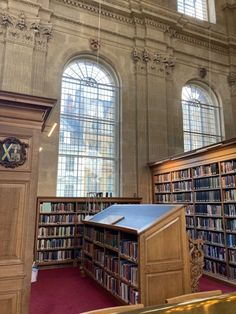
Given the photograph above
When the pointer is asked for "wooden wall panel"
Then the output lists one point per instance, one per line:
(21, 118)
(8, 303)
(170, 282)
(167, 249)
(12, 197)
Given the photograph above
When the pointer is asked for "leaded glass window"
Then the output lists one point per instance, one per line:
(88, 146)
(201, 117)
(194, 8)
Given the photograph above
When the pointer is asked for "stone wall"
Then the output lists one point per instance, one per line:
(154, 51)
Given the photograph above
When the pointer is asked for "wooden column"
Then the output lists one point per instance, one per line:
(22, 118)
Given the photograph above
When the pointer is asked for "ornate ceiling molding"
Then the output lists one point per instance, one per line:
(156, 62)
(166, 20)
(21, 30)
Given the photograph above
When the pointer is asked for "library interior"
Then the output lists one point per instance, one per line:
(117, 156)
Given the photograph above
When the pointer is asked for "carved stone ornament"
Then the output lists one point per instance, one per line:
(21, 30)
(155, 61)
(12, 152)
(95, 44)
(232, 79)
(196, 262)
(202, 71)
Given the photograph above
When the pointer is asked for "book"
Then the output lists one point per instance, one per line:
(46, 207)
(111, 219)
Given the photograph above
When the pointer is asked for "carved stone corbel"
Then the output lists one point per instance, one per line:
(232, 78)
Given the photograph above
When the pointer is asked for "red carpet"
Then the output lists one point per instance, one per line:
(64, 291)
(207, 283)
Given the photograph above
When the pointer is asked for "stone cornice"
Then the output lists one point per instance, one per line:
(173, 23)
(29, 3)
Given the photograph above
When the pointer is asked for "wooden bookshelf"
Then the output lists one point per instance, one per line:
(59, 227)
(131, 258)
(205, 181)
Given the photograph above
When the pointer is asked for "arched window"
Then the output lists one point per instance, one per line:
(199, 9)
(88, 146)
(201, 116)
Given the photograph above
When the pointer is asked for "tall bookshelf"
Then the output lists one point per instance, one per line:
(126, 252)
(59, 226)
(205, 181)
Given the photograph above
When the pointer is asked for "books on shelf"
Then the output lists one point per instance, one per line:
(121, 256)
(206, 183)
(59, 226)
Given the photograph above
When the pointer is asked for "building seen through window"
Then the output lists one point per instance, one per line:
(201, 116)
(88, 154)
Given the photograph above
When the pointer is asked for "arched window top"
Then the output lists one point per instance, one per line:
(199, 94)
(201, 116)
(89, 71)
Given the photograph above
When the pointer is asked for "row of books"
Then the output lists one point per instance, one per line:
(129, 272)
(111, 263)
(182, 186)
(128, 294)
(99, 256)
(111, 239)
(181, 174)
(214, 252)
(211, 223)
(189, 209)
(111, 284)
(232, 256)
(208, 209)
(119, 288)
(58, 243)
(205, 170)
(230, 209)
(215, 267)
(228, 166)
(229, 181)
(208, 196)
(214, 237)
(232, 272)
(162, 177)
(191, 233)
(231, 240)
(206, 183)
(59, 231)
(164, 187)
(48, 207)
(98, 235)
(230, 224)
(48, 256)
(182, 197)
(189, 221)
(229, 195)
(88, 232)
(88, 247)
(129, 248)
(163, 198)
(68, 218)
(200, 171)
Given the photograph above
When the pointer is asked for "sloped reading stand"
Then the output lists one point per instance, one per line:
(139, 253)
